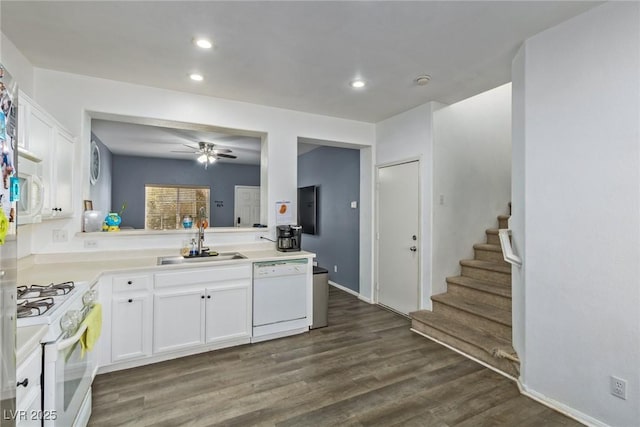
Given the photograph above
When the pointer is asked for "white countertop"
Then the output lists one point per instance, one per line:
(27, 340)
(89, 266)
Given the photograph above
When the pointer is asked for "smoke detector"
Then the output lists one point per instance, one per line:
(423, 80)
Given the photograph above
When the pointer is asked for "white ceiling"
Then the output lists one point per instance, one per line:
(295, 55)
(134, 139)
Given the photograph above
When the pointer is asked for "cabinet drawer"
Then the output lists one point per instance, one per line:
(132, 283)
(196, 276)
(29, 372)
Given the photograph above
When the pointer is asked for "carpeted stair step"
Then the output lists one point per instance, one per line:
(503, 221)
(487, 271)
(481, 291)
(468, 338)
(487, 252)
(492, 236)
(488, 317)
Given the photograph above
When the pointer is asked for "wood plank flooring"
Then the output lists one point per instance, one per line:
(365, 369)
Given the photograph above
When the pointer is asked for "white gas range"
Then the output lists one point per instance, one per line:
(67, 371)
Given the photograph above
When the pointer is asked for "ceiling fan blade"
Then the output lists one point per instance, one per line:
(189, 152)
(226, 156)
(191, 146)
(221, 150)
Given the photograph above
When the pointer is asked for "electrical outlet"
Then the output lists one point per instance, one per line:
(619, 387)
(90, 244)
(335, 268)
(60, 236)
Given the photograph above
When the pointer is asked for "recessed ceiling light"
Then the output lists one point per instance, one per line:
(357, 84)
(203, 43)
(196, 77)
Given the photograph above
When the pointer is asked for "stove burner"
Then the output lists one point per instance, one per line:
(49, 290)
(29, 308)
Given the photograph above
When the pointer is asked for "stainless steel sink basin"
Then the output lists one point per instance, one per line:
(222, 256)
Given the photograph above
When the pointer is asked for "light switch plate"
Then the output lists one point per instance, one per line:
(354, 205)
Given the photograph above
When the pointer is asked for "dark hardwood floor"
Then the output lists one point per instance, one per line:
(366, 368)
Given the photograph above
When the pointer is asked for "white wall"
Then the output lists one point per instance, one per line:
(408, 136)
(518, 207)
(472, 171)
(16, 63)
(366, 223)
(69, 97)
(579, 127)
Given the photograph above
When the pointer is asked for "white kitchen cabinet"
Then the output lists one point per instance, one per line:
(178, 319)
(28, 391)
(41, 134)
(131, 326)
(227, 313)
(35, 127)
(131, 320)
(200, 306)
(61, 196)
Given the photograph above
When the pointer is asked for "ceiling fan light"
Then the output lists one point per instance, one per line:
(212, 159)
(202, 158)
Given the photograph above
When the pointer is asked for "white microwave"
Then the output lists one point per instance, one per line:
(29, 206)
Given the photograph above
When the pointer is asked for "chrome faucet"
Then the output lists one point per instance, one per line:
(200, 237)
(201, 217)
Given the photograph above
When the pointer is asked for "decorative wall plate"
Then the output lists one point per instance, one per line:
(94, 166)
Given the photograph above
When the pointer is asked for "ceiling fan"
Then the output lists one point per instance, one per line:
(208, 152)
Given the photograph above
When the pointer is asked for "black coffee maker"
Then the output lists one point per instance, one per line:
(288, 238)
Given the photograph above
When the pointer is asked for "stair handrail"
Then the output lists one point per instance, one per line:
(507, 250)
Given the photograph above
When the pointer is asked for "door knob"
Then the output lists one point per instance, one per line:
(413, 249)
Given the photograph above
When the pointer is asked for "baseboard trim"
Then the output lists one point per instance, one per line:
(344, 288)
(538, 397)
(468, 356)
(365, 299)
(560, 407)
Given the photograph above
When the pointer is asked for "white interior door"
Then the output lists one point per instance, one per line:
(246, 210)
(398, 233)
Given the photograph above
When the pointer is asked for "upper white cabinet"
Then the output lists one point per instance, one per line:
(61, 196)
(41, 134)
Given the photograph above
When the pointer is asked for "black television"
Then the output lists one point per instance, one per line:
(308, 209)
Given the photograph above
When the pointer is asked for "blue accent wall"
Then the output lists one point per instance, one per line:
(336, 171)
(131, 174)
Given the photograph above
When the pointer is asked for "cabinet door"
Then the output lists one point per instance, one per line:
(228, 311)
(63, 174)
(23, 122)
(30, 417)
(131, 327)
(178, 320)
(40, 141)
(28, 394)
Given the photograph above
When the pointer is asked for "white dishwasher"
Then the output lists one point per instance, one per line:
(279, 298)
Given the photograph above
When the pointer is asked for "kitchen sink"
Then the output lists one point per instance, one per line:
(222, 256)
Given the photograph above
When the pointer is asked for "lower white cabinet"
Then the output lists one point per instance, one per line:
(197, 307)
(28, 392)
(158, 315)
(228, 315)
(131, 308)
(131, 325)
(178, 319)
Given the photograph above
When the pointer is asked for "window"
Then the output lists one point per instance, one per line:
(166, 205)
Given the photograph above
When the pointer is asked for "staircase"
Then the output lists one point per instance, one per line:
(474, 315)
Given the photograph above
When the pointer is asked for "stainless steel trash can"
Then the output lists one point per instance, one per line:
(320, 297)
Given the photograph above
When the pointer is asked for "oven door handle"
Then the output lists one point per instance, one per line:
(71, 340)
